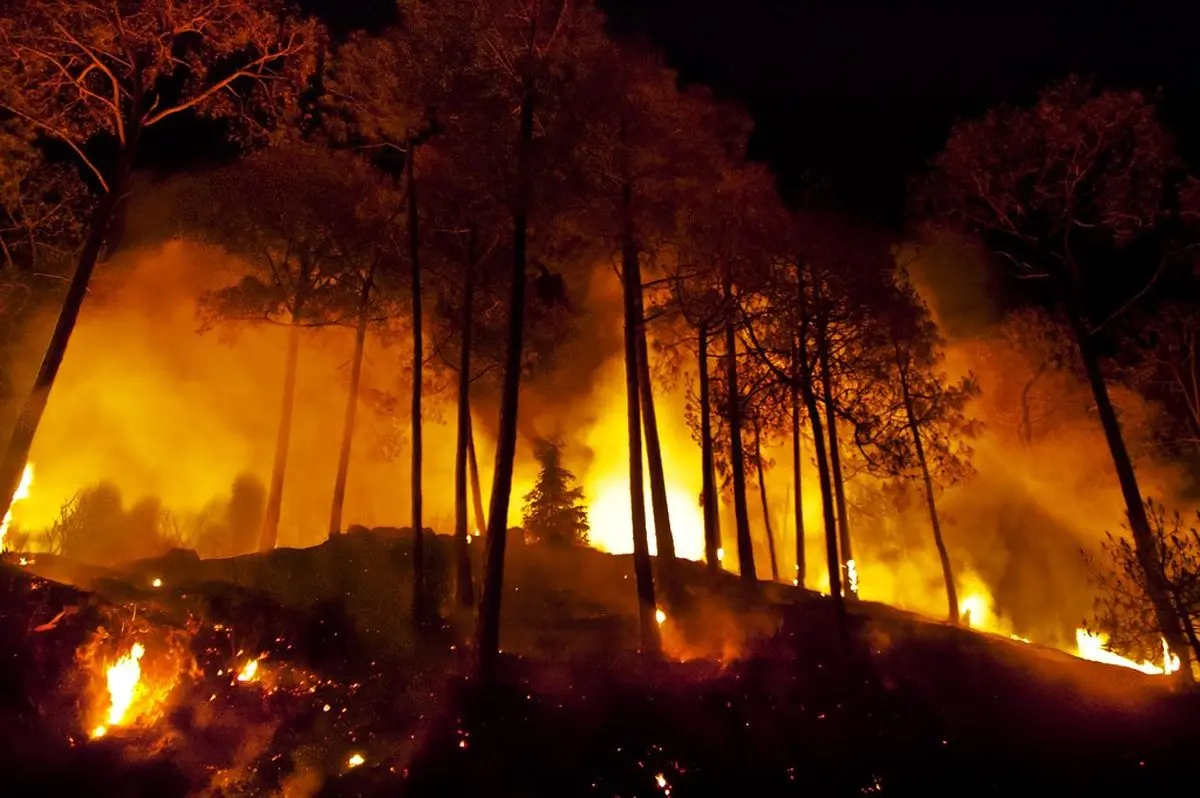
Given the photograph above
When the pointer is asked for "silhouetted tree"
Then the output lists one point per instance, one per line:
(554, 509)
(304, 220)
(78, 71)
(1054, 187)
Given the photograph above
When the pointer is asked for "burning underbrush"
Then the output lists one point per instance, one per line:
(287, 674)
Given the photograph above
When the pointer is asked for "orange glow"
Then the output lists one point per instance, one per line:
(248, 672)
(1094, 647)
(123, 677)
(21, 494)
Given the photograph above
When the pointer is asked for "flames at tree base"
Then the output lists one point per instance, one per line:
(275, 687)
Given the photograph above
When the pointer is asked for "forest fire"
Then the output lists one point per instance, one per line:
(21, 494)
(504, 270)
(122, 679)
(1094, 647)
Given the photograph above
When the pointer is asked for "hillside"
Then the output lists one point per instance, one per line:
(758, 694)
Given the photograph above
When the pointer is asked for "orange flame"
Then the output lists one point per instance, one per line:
(20, 494)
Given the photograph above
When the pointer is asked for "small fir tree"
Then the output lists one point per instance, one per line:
(554, 509)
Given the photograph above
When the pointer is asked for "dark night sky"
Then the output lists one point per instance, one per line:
(860, 94)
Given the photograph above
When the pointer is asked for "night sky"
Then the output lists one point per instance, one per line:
(859, 94)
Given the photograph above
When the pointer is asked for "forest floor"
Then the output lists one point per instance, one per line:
(756, 694)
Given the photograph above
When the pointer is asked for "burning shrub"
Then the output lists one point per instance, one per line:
(94, 527)
(1123, 607)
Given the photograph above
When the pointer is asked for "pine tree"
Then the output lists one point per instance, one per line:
(554, 509)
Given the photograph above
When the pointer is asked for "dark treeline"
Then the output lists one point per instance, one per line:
(447, 175)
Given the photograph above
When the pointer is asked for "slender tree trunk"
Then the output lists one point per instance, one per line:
(663, 539)
(1139, 525)
(712, 521)
(737, 457)
(16, 454)
(935, 524)
(831, 541)
(762, 492)
(343, 468)
(647, 606)
(465, 589)
(476, 488)
(798, 498)
(835, 458)
(283, 438)
(419, 608)
(487, 631)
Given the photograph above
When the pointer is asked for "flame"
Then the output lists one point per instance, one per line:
(852, 576)
(609, 519)
(123, 678)
(660, 616)
(1094, 647)
(355, 760)
(248, 672)
(21, 493)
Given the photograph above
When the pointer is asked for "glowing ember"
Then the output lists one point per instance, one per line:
(21, 493)
(852, 576)
(355, 760)
(661, 781)
(1094, 647)
(248, 672)
(123, 678)
(660, 616)
(157, 582)
(720, 555)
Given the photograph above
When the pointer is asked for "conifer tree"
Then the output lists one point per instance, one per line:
(554, 509)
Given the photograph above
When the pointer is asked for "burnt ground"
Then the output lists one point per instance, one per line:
(760, 694)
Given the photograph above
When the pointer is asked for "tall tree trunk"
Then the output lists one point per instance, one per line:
(833, 562)
(283, 438)
(712, 521)
(464, 589)
(476, 488)
(487, 630)
(798, 498)
(663, 539)
(835, 457)
(343, 468)
(1139, 524)
(762, 492)
(16, 454)
(643, 576)
(935, 524)
(419, 608)
(737, 458)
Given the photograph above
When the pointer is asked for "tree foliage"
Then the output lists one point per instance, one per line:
(554, 509)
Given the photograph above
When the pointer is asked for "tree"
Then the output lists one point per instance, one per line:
(1056, 188)
(86, 71)
(554, 509)
(1124, 608)
(375, 110)
(515, 55)
(702, 313)
(307, 222)
(928, 440)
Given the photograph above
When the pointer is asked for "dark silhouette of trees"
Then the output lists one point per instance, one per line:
(554, 509)
(1124, 607)
(1054, 188)
(76, 72)
(304, 220)
(924, 434)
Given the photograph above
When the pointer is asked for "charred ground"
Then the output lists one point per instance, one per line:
(761, 694)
